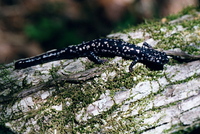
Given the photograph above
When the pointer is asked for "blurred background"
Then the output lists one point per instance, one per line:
(31, 27)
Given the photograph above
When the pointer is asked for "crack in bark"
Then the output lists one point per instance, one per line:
(182, 56)
(73, 78)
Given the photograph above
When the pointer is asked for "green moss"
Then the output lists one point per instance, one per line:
(182, 129)
(185, 80)
(187, 10)
(8, 85)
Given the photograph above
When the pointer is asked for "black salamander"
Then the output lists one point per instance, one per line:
(94, 49)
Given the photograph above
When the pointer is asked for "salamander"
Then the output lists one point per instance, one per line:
(94, 49)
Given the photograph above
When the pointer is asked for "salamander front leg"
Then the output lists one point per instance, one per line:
(133, 64)
(95, 58)
(147, 45)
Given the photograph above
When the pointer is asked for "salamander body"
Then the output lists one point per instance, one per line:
(94, 49)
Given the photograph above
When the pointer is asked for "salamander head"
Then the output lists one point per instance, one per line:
(155, 60)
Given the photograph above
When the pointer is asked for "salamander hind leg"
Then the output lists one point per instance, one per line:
(95, 58)
(133, 64)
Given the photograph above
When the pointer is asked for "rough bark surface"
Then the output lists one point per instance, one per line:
(76, 96)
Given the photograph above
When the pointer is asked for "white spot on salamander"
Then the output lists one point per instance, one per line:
(71, 50)
(99, 44)
(138, 51)
(105, 42)
(87, 46)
